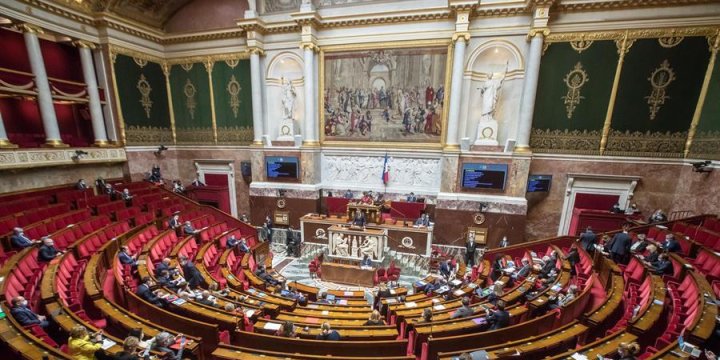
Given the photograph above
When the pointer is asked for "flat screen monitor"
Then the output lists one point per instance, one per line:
(484, 176)
(282, 167)
(539, 183)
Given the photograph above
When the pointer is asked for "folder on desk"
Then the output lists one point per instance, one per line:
(272, 326)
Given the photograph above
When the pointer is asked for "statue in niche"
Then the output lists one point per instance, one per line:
(490, 91)
(288, 98)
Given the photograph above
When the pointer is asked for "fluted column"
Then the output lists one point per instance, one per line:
(96, 113)
(310, 121)
(451, 140)
(4, 142)
(257, 103)
(44, 97)
(527, 105)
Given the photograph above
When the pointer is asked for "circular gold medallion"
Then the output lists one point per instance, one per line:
(281, 203)
(479, 218)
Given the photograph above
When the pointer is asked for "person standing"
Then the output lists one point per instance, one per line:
(470, 248)
(619, 246)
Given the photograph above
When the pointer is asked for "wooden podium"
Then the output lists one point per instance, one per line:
(372, 212)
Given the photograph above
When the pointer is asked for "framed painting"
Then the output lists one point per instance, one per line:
(385, 94)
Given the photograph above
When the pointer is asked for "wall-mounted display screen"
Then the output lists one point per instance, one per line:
(539, 183)
(281, 167)
(484, 176)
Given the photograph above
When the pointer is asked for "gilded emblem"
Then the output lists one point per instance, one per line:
(670, 41)
(233, 88)
(581, 45)
(479, 218)
(232, 63)
(407, 242)
(574, 80)
(190, 92)
(281, 204)
(144, 87)
(660, 79)
(140, 62)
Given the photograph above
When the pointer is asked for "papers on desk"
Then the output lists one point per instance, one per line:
(179, 301)
(472, 285)
(458, 292)
(312, 306)
(435, 300)
(348, 293)
(325, 312)
(249, 313)
(443, 289)
(480, 321)
(439, 307)
(341, 302)
(272, 326)
(391, 300)
(658, 302)
(578, 356)
(420, 283)
(107, 343)
(556, 288)
(392, 292)
(410, 304)
(455, 282)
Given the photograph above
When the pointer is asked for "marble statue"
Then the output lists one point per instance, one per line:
(369, 247)
(488, 125)
(341, 245)
(288, 98)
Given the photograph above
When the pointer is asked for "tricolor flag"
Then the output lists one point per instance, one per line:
(386, 171)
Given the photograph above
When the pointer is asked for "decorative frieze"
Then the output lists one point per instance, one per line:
(29, 158)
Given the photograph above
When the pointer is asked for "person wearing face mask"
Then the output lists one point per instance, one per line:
(22, 313)
(48, 251)
(19, 240)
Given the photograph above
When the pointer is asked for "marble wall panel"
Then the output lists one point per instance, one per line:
(450, 226)
(262, 206)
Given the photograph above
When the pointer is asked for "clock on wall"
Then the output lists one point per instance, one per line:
(281, 203)
(479, 218)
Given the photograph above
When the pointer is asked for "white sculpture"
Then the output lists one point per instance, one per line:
(288, 98)
(369, 247)
(341, 245)
(490, 91)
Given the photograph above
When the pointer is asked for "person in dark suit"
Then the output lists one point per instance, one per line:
(366, 261)
(657, 217)
(573, 257)
(125, 257)
(264, 276)
(497, 267)
(663, 266)
(162, 265)
(639, 245)
(524, 271)
(110, 192)
(144, 290)
(445, 270)
(423, 220)
(588, 240)
(130, 350)
(348, 194)
(327, 333)
(22, 313)
(81, 185)
(652, 254)
(463, 311)
(100, 185)
(411, 197)
(126, 196)
(20, 241)
(619, 246)
(671, 244)
(293, 242)
(359, 219)
(499, 318)
(48, 251)
(188, 229)
(192, 274)
(174, 222)
(615, 209)
(548, 265)
(470, 247)
(196, 182)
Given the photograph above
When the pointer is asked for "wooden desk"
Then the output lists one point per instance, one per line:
(355, 333)
(603, 346)
(229, 352)
(372, 212)
(347, 274)
(380, 349)
(649, 315)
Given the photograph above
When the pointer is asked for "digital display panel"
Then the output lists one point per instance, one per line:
(484, 176)
(539, 183)
(285, 167)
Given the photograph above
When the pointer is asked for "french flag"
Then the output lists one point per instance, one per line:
(386, 171)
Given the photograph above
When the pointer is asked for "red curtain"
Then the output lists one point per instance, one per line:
(15, 55)
(595, 201)
(62, 61)
(216, 179)
(22, 122)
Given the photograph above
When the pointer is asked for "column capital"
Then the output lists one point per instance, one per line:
(310, 46)
(544, 32)
(255, 50)
(83, 44)
(465, 36)
(166, 69)
(29, 28)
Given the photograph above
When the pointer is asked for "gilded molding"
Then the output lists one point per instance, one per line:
(43, 157)
(309, 45)
(460, 35)
(705, 145)
(195, 135)
(649, 144)
(622, 4)
(545, 32)
(482, 11)
(114, 49)
(388, 19)
(29, 28)
(235, 135)
(632, 34)
(83, 44)
(623, 46)
(583, 142)
(148, 135)
(714, 47)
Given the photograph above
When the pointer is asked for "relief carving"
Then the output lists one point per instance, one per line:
(358, 170)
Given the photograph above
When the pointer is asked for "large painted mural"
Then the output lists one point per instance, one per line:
(384, 95)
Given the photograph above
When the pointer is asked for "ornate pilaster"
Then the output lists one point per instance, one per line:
(623, 46)
(45, 101)
(536, 36)
(460, 38)
(703, 93)
(308, 20)
(254, 29)
(209, 68)
(166, 71)
(96, 113)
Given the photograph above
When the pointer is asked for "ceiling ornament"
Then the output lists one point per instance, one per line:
(574, 80)
(186, 67)
(234, 88)
(660, 79)
(670, 41)
(140, 62)
(581, 45)
(144, 87)
(189, 90)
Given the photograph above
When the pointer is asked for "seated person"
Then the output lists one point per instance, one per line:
(463, 311)
(216, 291)
(188, 229)
(81, 185)
(155, 175)
(327, 333)
(640, 244)
(548, 279)
(287, 330)
(20, 241)
(264, 276)
(375, 319)
(322, 298)
(496, 293)
(196, 182)
(164, 265)
(125, 257)
(110, 191)
(177, 187)
(129, 349)
(176, 284)
(367, 198)
(144, 290)
(499, 318)
(244, 218)
(81, 345)
(523, 271)
(657, 217)
(411, 197)
(126, 195)
(48, 251)
(561, 300)
(348, 194)
(24, 316)
(671, 244)
(548, 265)
(174, 222)
(445, 269)
(366, 262)
(652, 255)
(626, 351)
(663, 266)
(241, 244)
(163, 343)
(206, 299)
(359, 219)
(423, 220)
(632, 209)
(436, 284)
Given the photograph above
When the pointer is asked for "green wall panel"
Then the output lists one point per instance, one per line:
(635, 130)
(233, 103)
(706, 143)
(560, 125)
(147, 119)
(190, 88)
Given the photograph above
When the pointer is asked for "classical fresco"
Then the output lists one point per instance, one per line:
(384, 95)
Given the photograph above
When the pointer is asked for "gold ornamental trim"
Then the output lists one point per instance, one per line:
(621, 4)
(670, 41)
(240, 135)
(190, 103)
(233, 88)
(648, 144)
(115, 50)
(581, 45)
(660, 79)
(195, 135)
(147, 135)
(653, 33)
(144, 88)
(705, 145)
(566, 141)
(574, 80)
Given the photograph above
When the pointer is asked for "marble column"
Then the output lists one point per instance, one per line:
(451, 140)
(255, 74)
(96, 113)
(465, 110)
(527, 105)
(310, 121)
(44, 97)
(4, 142)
